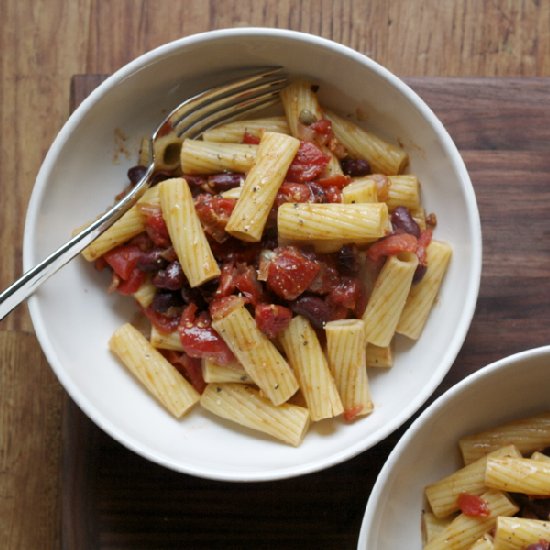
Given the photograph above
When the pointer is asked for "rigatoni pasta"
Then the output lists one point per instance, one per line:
(520, 515)
(273, 259)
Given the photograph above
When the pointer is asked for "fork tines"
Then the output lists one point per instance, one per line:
(226, 102)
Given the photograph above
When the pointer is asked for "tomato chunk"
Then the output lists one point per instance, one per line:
(308, 163)
(272, 319)
(473, 505)
(155, 226)
(188, 367)
(123, 259)
(394, 244)
(290, 272)
(199, 339)
(337, 180)
(293, 192)
(214, 212)
(250, 138)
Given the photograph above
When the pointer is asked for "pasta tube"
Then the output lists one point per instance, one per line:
(163, 340)
(246, 406)
(383, 157)
(529, 435)
(306, 357)
(186, 233)
(128, 226)
(388, 298)
(160, 377)
(275, 153)
(301, 107)
(518, 475)
(346, 351)
(360, 190)
(224, 374)
(233, 132)
(360, 223)
(379, 357)
(204, 157)
(257, 354)
(518, 533)
(422, 295)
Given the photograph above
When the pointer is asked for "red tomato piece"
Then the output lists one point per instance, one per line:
(423, 243)
(542, 544)
(123, 259)
(339, 181)
(333, 194)
(130, 285)
(272, 319)
(322, 126)
(394, 244)
(473, 505)
(250, 138)
(352, 413)
(188, 367)
(293, 192)
(290, 272)
(199, 339)
(155, 226)
(214, 212)
(247, 283)
(163, 323)
(308, 163)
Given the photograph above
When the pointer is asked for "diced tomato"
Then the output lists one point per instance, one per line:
(293, 192)
(339, 181)
(242, 278)
(130, 285)
(199, 339)
(423, 243)
(290, 272)
(163, 323)
(123, 259)
(352, 413)
(322, 126)
(247, 283)
(393, 244)
(333, 194)
(308, 163)
(214, 212)
(250, 138)
(473, 505)
(272, 319)
(189, 368)
(155, 226)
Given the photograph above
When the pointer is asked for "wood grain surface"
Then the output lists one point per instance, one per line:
(45, 42)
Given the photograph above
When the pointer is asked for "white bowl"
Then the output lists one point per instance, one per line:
(512, 388)
(74, 317)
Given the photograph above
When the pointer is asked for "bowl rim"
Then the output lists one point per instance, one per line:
(502, 364)
(151, 56)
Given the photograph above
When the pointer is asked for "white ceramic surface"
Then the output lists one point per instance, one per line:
(74, 316)
(512, 388)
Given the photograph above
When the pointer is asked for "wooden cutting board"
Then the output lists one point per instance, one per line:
(114, 499)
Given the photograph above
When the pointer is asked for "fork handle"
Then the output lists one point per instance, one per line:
(21, 289)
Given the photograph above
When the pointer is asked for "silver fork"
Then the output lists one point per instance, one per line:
(188, 120)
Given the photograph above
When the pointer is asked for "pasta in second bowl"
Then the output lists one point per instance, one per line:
(81, 175)
(510, 390)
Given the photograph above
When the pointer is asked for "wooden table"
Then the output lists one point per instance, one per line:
(106, 497)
